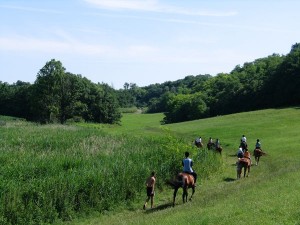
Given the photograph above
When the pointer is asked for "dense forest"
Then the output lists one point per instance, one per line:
(58, 96)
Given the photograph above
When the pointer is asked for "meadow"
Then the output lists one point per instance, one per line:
(94, 174)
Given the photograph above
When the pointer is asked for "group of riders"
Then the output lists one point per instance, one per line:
(243, 148)
(210, 144)
(244, 157)
(187, 163)
(243, 154)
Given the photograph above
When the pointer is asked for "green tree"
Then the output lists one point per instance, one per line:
(58, 95)
(48, 100)
(283, 87)
(103, 104)
(185, 107)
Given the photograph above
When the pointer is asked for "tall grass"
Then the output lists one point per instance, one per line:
(270, 195)
(55, 172)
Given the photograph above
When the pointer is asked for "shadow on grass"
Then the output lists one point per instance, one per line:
(158, 208)
(229, 179)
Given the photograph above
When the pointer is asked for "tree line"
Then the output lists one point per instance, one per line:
(272, 81)
(57, 95)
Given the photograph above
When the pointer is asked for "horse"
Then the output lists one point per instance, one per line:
(210, 146)
(243, 163)
(219, 149)
(198, 144)
(244, 146)
(257, 154)
(184, 181)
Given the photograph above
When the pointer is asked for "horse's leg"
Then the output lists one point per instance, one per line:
(193, 191)
(184, 194)
(238, 171)
(174, 195)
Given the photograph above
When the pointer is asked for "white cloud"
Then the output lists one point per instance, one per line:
(31, 9)
(153, 6)
(76, 48)
(148, 5)
(21, 44)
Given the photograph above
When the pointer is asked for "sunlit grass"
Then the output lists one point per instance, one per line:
(67, 172)
(270, 195)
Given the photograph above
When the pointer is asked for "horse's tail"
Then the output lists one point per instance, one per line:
(177, 182)
(170, 182)
(174, 183)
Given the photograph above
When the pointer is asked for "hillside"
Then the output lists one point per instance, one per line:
(270, 195)
(93, 174)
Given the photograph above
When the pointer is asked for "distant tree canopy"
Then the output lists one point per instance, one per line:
(273, 81)
(57, 95)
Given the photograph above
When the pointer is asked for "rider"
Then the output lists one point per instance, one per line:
(240, 153)
(210, 143)
(243, 144)
(244, 139)
(187, 164)
(217, 144)
(198, 140)
(258, 144)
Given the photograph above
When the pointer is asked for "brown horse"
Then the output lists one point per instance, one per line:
(184, 181)
(257, 154)
(243, 163)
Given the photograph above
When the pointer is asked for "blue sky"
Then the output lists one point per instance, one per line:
(142, 41)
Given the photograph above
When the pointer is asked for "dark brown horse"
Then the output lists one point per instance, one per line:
(219, 149)
(243, 163)
(257, 154)
(244, 146)
(184, 181)
(212, 146)
(198, 144)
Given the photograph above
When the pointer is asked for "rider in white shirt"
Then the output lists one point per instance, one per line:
(244, 139)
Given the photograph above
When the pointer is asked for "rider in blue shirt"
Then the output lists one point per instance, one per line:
(187, 164)
(258, 144)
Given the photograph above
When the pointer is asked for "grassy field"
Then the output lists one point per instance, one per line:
(270, 195)
(51, 169)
